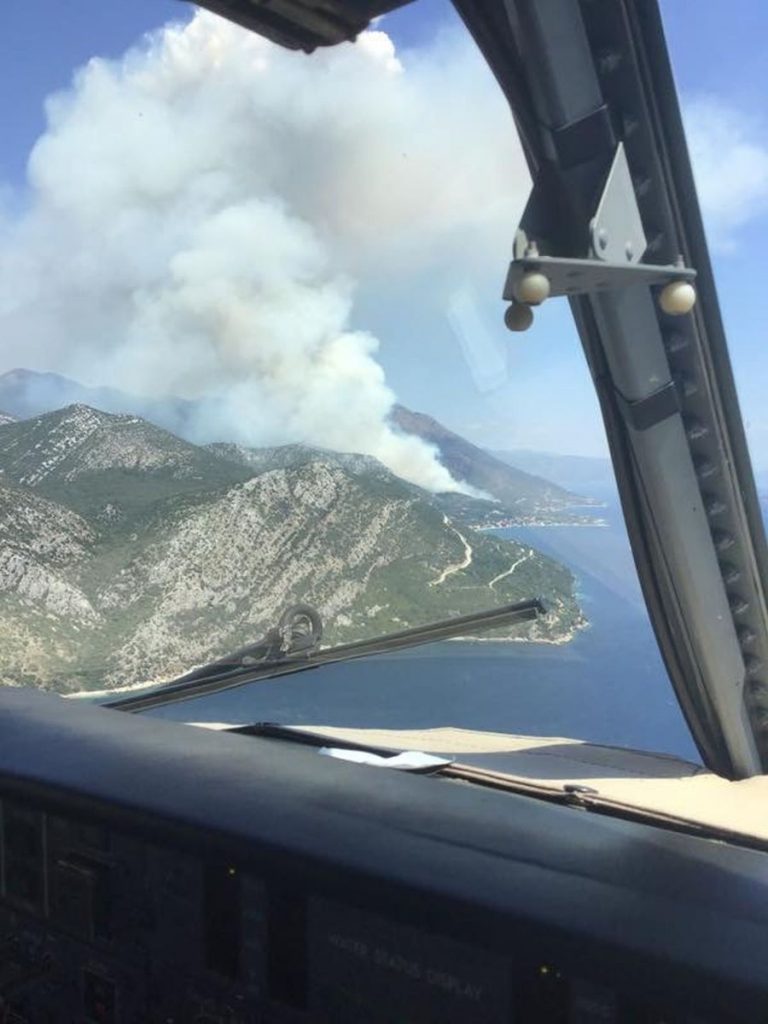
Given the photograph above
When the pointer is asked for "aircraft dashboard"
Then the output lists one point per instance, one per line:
(152, 872)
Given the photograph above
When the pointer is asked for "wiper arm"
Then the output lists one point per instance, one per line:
(297, 635)
(263, 661)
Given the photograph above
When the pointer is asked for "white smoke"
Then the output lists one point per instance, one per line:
(201, 213)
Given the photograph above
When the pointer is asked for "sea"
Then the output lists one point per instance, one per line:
(608, 685)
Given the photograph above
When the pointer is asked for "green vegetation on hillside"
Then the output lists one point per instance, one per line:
(128, 555)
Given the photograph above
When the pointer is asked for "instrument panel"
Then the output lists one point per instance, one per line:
(103, 927)
(113, 928)
(255, 881)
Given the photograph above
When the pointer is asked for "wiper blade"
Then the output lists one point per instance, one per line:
(237, 669)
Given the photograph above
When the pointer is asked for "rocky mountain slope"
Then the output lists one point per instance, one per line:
(288, 456)
(92, 460)
(127, 554)
(515, 495)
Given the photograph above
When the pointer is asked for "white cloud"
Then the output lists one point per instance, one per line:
(203, 213)
(730, 164)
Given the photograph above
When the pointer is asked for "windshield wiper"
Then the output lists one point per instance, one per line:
(293, 645)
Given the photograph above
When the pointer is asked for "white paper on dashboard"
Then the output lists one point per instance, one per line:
(408, 760)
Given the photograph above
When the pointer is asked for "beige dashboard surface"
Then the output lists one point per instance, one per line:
(660, 784)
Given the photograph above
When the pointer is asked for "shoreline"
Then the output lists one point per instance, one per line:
(594, 524)
(560, 641)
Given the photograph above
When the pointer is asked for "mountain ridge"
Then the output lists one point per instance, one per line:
(79, 445)
(514, 488)
(193, 555)
(25, 393)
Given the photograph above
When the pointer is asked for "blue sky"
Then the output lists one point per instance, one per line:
(718, 64)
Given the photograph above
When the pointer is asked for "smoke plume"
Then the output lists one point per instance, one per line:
(200, 215)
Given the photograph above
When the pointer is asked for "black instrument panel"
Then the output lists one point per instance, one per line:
(151, 872)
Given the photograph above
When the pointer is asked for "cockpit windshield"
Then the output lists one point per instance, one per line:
(255, 358)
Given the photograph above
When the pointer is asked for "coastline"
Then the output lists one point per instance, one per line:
(582, 523)
(559, 641)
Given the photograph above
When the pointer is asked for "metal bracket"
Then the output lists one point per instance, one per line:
(617, 246)
(612, 261)
(616, 229)
(579, 277)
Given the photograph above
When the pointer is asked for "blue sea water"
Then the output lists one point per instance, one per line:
(607, 685)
